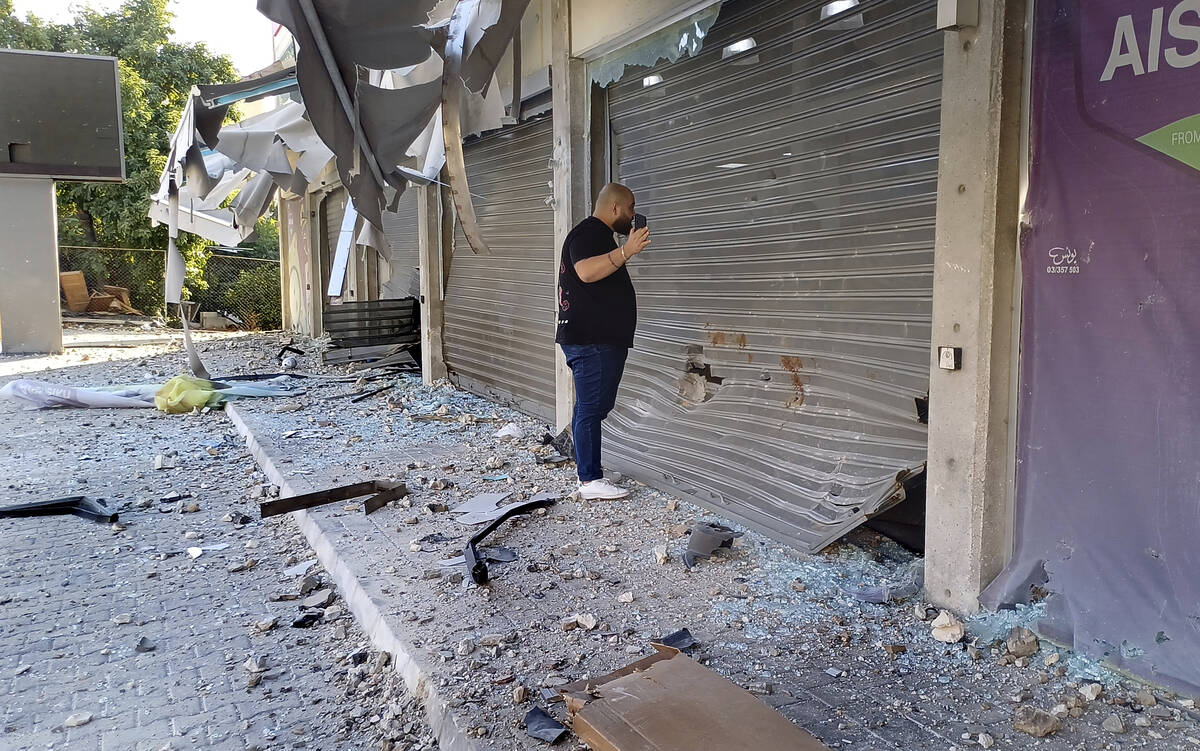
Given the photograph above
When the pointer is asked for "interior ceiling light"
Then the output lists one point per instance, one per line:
(737, 48)
(837, 7)
(653, 80)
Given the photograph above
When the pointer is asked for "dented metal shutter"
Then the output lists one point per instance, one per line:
(785, 302)
(499, 334)
(401, 230)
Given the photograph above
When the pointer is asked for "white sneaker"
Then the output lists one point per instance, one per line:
(601, 490)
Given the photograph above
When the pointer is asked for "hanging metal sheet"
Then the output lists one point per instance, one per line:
(400, 227)
(332, 210)
(789, 172)
(500, 307)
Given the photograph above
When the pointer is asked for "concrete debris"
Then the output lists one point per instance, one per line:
(309, 584)
(672, 505)
(300, 569)
(1022, 642)
(985, 740)
(1146, 698)
(798, 585)
(465, 647)
(1052, 659)
(1114, 725)
(587, 621)
(162, 461)
(625, 597)
(511, 431)
(661, 556)
(1092, 691)
(947, 629)
(1034, 722)
(570, 624)
(319, 599)
(520, 695)
(79, 719)
(267, 624)
(246, 565)
(255, 664)
(145, 645)
(122, 619)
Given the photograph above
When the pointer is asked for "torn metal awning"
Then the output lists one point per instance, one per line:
(391, 87)
(249, 160)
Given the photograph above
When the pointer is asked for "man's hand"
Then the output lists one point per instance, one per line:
(637, 241)
(601, 267)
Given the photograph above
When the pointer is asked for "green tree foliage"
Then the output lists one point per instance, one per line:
(156, 77)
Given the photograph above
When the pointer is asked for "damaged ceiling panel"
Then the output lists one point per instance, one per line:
(789, 172)
(209, 162)
(670, 44)
(372, 121)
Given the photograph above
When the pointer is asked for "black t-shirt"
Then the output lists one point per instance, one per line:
(603, 312)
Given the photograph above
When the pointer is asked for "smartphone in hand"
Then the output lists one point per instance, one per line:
(639, 221)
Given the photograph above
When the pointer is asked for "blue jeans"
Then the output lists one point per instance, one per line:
(597, 369)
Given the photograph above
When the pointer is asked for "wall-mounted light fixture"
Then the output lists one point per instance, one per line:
(737, 48)
(838, 7)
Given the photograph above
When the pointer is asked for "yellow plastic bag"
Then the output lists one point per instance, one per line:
(182, 394)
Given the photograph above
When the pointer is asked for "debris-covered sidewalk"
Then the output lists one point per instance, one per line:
(839, 642)
(581, 589)
(171, 628)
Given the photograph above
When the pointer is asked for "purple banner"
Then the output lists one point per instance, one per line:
(1108, 477)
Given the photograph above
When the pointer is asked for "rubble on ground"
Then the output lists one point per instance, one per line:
(595, 583)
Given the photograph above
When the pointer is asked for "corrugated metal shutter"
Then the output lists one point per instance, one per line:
(785, 302)
(401, 230)
(332, 210)
(499, 334)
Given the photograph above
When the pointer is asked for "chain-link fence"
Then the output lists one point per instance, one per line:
(245, 290)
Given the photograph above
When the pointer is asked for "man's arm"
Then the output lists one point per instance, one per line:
(603, 266)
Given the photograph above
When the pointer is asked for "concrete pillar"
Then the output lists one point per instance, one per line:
(30, 313)
(429, 235)
(570, 95)
(968, 534)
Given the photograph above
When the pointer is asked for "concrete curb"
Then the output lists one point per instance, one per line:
(366, 610)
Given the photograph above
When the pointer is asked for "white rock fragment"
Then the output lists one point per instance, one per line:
(947, 629)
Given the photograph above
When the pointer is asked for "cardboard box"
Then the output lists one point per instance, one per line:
(669, 702)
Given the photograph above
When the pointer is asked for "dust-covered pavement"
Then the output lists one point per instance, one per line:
(593, 583)
(116, 637)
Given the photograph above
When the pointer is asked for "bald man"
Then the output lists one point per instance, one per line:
(597, 315)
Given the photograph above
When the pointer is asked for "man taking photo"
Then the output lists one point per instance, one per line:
(597, 315)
